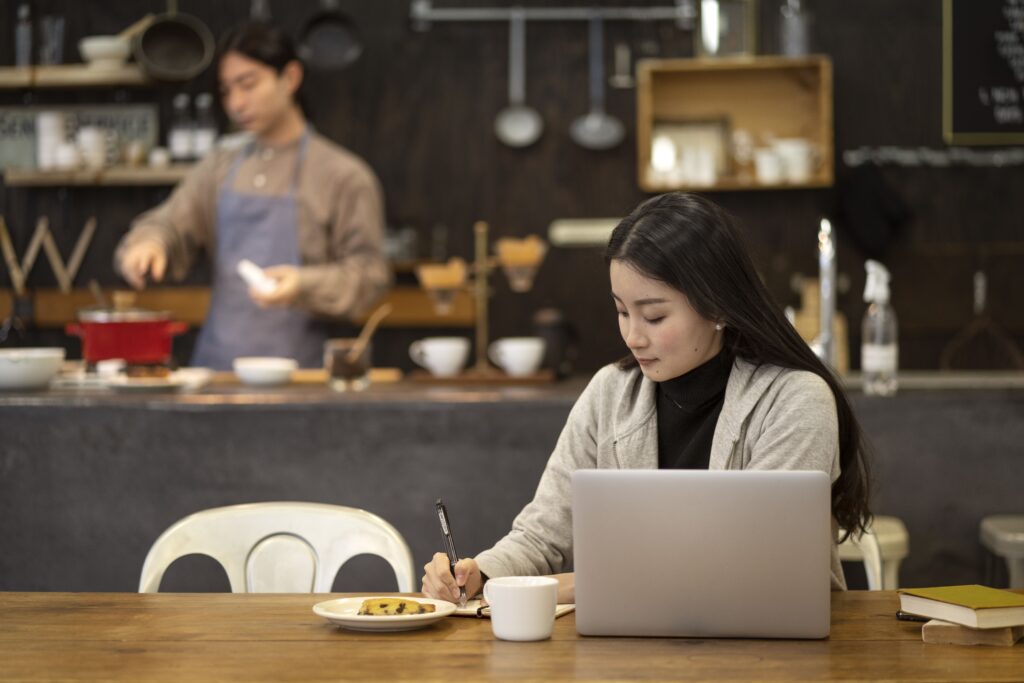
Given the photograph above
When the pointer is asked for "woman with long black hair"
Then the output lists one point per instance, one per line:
(716, 378)
(307, 211)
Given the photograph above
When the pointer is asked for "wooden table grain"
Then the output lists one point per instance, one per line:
(238, 637)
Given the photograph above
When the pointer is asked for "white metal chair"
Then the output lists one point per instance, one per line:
(1003, 535)
(280, 547)
(881, 548)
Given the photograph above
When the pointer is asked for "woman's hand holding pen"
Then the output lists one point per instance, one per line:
(439, 583)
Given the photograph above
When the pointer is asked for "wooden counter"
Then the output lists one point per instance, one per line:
(199, 638)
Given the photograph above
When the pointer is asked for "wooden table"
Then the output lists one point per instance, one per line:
(226, 637)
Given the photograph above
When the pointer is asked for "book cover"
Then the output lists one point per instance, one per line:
(974, 606)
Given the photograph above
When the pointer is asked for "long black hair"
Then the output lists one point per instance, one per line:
(264, 43)
(693, 246)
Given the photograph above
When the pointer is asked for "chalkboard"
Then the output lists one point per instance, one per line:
(983, 72)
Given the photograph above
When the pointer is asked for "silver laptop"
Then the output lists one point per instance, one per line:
(702, 553)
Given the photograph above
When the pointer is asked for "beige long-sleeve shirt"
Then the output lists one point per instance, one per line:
(343, 268)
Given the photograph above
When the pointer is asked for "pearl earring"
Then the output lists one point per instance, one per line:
(719, 326)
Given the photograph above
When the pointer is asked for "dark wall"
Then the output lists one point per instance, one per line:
(420, 107)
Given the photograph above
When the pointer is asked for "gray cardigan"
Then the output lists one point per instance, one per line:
(772, 419)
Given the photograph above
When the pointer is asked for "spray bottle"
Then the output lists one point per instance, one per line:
(879, 351)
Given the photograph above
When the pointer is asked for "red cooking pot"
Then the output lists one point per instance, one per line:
(138, 336)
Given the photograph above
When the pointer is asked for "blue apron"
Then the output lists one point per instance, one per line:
(263, 229)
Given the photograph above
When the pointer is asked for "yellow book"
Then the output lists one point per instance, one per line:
(973, 606)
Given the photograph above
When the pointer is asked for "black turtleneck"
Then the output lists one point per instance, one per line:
(688, 409)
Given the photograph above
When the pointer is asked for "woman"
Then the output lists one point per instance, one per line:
(291, 201)
(717, 378)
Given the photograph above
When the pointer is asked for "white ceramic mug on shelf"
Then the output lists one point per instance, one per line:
(518, 356)
(767, 166)
(522, 607)
(798, 157)
(441, 356)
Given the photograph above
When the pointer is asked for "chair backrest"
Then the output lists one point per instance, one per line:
(280, 547)
(865, 547)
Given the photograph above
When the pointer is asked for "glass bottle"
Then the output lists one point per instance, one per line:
(23, 37)
(879, 354)
(205, 135)
(181, 136)
(794, 28)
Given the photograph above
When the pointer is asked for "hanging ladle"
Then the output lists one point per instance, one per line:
(596, 129)
(517, 125)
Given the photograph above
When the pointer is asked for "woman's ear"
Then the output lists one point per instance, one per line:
(292, 73)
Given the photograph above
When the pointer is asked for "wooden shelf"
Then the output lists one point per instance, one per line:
(728, 183)
(71, 76)
(783, 97)
(111, 176)
(53, 308)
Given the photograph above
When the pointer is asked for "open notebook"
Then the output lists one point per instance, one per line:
(473, 608)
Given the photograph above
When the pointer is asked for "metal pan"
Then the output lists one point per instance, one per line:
(174, 46)
(330, 39)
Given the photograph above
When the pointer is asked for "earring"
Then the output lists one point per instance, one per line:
(719, 326)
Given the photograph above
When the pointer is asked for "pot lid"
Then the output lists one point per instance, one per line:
(124, 315)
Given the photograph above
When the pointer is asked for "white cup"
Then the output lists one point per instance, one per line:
(522, 607)
(92, 143)
(66, 156)
(159, 157)
(798, 158)
(518, 356)
(767, 166)
(441, 356)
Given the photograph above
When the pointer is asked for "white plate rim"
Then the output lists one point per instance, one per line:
(365, 622)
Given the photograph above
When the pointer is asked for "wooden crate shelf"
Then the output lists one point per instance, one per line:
(766, 96)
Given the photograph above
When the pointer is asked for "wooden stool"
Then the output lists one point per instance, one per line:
(882, 547)
(1003, 535)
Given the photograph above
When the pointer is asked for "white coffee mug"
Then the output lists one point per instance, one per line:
(522, 607)
(441, 356)
(767, 166)
(798, 158)
(518, 356)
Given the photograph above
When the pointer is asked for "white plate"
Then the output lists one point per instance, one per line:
(343, 612)
(190, 379)
(145, 384)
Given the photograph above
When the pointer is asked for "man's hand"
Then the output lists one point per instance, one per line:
(286, 287)
(148, 256)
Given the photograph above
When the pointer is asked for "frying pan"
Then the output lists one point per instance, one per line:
(329, 39)
(174, 46)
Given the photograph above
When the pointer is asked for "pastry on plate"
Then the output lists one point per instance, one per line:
(394, 606)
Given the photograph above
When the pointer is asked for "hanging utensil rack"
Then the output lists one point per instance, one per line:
(423, 13)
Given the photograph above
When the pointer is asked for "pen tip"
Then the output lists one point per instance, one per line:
(438, 502)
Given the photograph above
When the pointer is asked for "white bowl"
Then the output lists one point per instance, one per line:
(104, 52)
(264, 371)
(29, 368)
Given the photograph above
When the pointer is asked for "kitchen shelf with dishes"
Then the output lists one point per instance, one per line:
(113, 176)
(735, 123)
(71, 76)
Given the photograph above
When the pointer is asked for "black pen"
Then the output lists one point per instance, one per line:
(449, 546)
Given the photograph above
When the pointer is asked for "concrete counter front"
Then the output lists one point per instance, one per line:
(89, 480)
